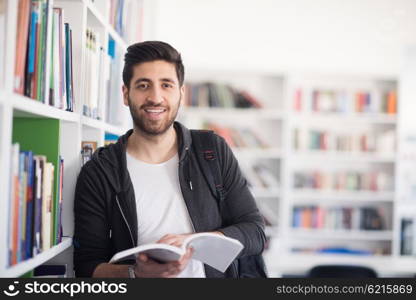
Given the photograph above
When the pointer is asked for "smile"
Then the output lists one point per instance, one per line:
(155, 110)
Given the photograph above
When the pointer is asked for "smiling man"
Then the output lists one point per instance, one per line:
(149, 186)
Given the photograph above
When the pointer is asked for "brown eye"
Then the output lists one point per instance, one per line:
(143, 86)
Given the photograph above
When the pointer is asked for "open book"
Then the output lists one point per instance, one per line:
(212, 249)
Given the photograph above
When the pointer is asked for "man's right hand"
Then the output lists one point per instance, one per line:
(148, 268)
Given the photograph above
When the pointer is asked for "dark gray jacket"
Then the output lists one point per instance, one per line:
(105, 206)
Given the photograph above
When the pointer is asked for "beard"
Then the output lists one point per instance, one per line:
(153, 127)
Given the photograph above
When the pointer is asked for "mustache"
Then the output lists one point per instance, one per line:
(145, 106)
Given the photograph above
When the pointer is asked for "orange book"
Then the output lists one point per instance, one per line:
(224, 132)
(391, 102)
(21, 45)
(306, 218)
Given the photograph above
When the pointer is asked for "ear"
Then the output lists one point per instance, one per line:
(183, 92)
(125, 91)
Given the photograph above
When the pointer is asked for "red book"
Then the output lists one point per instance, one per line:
(22, 33)
(297, 103)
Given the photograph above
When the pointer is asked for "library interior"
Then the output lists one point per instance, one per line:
(315, 98)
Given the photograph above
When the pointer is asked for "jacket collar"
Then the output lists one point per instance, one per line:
(112, 161)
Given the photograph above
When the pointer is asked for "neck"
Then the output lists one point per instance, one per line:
(153, 149)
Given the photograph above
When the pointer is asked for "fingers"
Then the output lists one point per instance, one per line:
(173, 239)
(167, 238)
(187, 256)
(142, 257)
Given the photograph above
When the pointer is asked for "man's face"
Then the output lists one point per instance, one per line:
(154, 96)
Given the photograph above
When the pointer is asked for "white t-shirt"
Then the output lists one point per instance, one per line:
(161, 208)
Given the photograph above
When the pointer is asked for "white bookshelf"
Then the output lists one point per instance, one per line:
(324, 196)
(74, 127)
(405, 207)
(277, 203)
(41, 258)
(280, 257)
(340, 234)
(268, 121)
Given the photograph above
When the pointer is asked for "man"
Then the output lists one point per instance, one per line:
(149, 187)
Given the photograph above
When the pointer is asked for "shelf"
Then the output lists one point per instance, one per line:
(320, 155)
(98, 124)
(100, 18)
(41, 258)
(334, 118)
(113, 129)
(301, 263)
(218, 112)
(26, 107)
(406, 264)
(302, 195)
(265, 193)
(258, 152)
(329, 234)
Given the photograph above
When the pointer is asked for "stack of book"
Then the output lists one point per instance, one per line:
(97, 76)
(43, 66)
(260, 175)
(121, 16)
(35, 209)
(212, 94)
(324, 140)
(342, 101)
(114, 111)
(339, 218)
(237, 136)
(374, 181)
(341, 249)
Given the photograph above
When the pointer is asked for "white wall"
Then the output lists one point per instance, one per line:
(357, 36)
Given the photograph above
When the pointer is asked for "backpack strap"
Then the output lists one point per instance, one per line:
(204, 145)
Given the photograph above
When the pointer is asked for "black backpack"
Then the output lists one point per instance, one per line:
(252, 266)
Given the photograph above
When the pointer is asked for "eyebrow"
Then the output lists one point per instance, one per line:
(148, 80)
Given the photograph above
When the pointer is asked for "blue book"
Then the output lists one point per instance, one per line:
(68, 66)
(29, 203)
(31, 48)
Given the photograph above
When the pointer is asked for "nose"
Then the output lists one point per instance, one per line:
(155, 95)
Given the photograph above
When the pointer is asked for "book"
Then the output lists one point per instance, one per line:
(212, 249)
(21, 44)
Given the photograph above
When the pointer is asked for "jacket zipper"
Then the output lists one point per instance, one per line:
(187, 209)
(125, 220)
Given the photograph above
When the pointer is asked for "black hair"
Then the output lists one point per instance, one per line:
(150, 51)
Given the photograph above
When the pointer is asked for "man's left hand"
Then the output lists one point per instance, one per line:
(177, 239)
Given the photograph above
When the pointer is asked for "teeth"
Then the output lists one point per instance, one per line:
(154, 110)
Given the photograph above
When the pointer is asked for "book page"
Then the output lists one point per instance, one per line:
(159, 252)
(213, 249)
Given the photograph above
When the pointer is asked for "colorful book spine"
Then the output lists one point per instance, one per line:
(29, 201)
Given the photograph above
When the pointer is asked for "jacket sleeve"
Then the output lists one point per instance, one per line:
(91, 233)
(240, 213)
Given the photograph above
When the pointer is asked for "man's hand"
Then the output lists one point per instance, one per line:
(178, 239)
(147, 267)
(174, 239)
